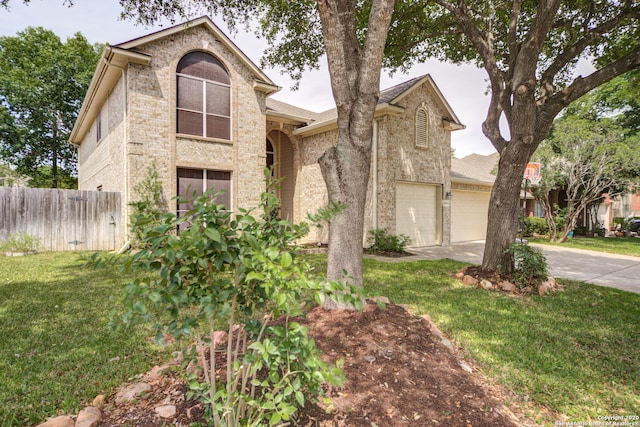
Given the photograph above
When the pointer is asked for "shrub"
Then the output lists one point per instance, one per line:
(240, 272)
(150, 203)
(380, 241)
(530, 265)
(21, 242)
(535, 226)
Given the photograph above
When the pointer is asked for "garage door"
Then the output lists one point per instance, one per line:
(469, 215)
(417, 213)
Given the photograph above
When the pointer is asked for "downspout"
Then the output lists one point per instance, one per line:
(124, 139)
(374, 191)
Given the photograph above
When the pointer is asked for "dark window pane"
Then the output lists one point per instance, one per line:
(220, 181)
(189, 186)
(203, 65)
(189, 123)
(218, 127)
(218, 100)
(189, 94)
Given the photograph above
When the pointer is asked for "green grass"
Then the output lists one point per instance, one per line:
(574, 352)
(619, 245)
(56, 352)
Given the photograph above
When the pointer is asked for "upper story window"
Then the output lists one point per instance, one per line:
(422, 127)
(203, 97)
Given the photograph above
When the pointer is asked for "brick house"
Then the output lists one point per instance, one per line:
(188, 99)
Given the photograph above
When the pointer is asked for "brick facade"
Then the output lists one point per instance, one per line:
(140, 117)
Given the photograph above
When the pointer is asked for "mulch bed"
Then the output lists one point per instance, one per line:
(399, 374)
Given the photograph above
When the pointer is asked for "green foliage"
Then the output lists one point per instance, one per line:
(381, 240)
(56, 352)
(535, 226)
(530, 265)
(21, 242)
(150, 204)
(42, 84)
(241, 272)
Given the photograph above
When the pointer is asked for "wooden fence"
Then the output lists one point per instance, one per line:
(62, 219)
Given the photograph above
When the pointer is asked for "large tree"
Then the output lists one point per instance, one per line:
(353, 36)
(42, 84)
(530, 50)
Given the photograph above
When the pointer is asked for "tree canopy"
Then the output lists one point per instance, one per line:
(42, 84)
(590, 152)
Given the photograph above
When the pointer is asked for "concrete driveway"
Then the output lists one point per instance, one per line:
(614, 271)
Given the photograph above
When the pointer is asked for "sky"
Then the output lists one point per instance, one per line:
(99, 21)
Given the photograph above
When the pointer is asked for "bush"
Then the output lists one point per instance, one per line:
(150, 204)
(380, 241)
(530, 265)
(21, 242)
(535, 226)
(240, 272)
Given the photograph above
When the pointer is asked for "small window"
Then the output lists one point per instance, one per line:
(99, 127)
(203, 97)
(422, 128)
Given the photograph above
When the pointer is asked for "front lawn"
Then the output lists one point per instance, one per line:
(574, 352)
(618, 245)
(56, 352)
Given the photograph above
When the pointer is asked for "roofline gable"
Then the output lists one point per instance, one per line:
(219, 34)
(439, 98)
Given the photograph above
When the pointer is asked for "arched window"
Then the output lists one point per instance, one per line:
(422, 128)
(203, 97)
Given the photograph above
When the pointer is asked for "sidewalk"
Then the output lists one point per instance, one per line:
(614, 271)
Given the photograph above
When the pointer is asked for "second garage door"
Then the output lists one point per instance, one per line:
(469, 211)
(417, 207)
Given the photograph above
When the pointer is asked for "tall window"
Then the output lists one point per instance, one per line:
(271, 155)
(204, 97)
(422, 128)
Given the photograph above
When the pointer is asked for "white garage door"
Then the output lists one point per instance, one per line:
(417, 213)
(469, 215)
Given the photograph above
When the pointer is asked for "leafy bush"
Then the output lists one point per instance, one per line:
(243, 273)
(150, 203)
(530, 265)
(535, 225)
(21, 242)
(381, 240)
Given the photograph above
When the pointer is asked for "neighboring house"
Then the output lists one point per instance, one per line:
(472, 179)
(188, 99)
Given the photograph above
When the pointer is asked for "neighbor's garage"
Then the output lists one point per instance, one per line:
(418, 213)
(469, 215)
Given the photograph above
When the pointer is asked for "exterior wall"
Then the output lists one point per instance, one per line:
(146, 133)
(400, 160)
(101, 163)
(153, 110)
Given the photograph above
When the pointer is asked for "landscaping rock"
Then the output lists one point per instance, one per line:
(89, 417)
(507, 286)
(543, 288)
(487, 285)
(61, 421)
(465, 367)
(165, 411)
(469, 280)
(99, 400)
(131, 392)
(381, 299)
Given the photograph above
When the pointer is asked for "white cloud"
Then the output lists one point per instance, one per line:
(99, 21)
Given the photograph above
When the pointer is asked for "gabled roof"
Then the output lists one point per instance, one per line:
(213, 28)
(115, 59)
(475, 168)
(388, 104)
